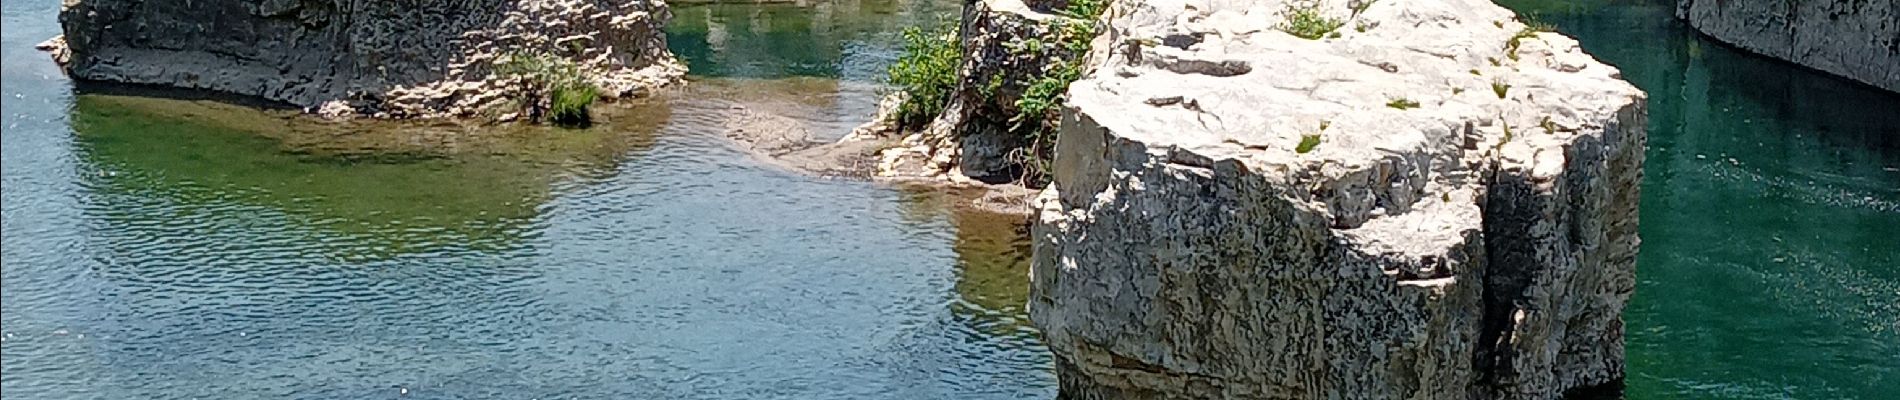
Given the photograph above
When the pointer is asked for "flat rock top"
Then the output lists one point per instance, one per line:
(1220, 79)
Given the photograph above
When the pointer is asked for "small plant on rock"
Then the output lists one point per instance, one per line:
(1306, 21)
(1499, 87)
(1307, 143)
(1531, 27)
(1310, 141)
(927, 70)
(1402, 103)
(558, 89)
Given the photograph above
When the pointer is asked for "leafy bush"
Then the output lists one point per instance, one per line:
(1042, 100)
(927, 70)
(1306, 21)
(558, 89)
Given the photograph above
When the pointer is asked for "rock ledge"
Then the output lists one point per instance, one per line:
(1480, 244)
(391, 59)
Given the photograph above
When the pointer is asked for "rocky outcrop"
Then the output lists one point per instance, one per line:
(402, 59)
(1426, 205)
(1007, 44)
(1857, 39)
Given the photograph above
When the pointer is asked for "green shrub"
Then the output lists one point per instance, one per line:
(1308, 22)
(1402, 103)
(568, 103)
(1042, 100)
(927, 71)
(558, 89)
(1499, 87)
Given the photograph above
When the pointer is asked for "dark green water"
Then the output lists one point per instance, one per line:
(1770, 266)
(168, 249)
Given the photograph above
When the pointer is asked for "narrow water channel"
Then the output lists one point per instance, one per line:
(180, 249)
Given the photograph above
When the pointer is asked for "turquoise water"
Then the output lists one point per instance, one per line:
(173, 249)
(1770, 266)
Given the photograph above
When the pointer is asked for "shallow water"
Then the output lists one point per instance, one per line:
(176, 249)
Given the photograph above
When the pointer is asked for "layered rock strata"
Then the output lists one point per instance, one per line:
(399, 59)
(1857, 39)
(1432, 203)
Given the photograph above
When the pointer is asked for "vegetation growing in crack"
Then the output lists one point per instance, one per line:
(558, 90)
(927, 71)
(1307, 22)
(1499, 87)
(1307, 143)
(1532, 26)
(1310, 141)
(1042, 100)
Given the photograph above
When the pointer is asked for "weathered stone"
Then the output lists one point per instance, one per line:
(1480, 245)
(406, 58)
(1857, 39)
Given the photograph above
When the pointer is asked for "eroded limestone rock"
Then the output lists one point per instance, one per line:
(400, 59)
(1857, 39)
(1479, 245)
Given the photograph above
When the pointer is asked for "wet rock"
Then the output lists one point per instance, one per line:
(1857, 39)
(396, 59)
(1478, 246)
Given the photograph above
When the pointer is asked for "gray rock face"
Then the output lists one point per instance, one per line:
(1857, 39)
(1478, 245)
(393, 58)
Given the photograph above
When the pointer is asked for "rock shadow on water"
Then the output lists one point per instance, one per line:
(375, 188)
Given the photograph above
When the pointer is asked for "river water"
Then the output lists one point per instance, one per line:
(182, 249)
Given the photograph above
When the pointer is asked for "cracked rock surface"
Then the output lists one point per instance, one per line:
(1478, 244)
(392, 59)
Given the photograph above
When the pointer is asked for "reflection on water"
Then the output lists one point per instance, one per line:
(1770, 267)
(177, 249)
(851, 40)
(387, 189)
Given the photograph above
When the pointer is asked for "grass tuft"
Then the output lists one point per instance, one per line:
(1306, 21)
(559, 90)
(1402, 103)
(927, 71)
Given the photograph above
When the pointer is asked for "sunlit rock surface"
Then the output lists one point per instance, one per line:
(399, 59)
(1478, 245)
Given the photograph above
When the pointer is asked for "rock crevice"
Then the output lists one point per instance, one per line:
(1347, 217)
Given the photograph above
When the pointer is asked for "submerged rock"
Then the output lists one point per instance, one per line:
(399, 59)
(1429, 202)
(1857, 39)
